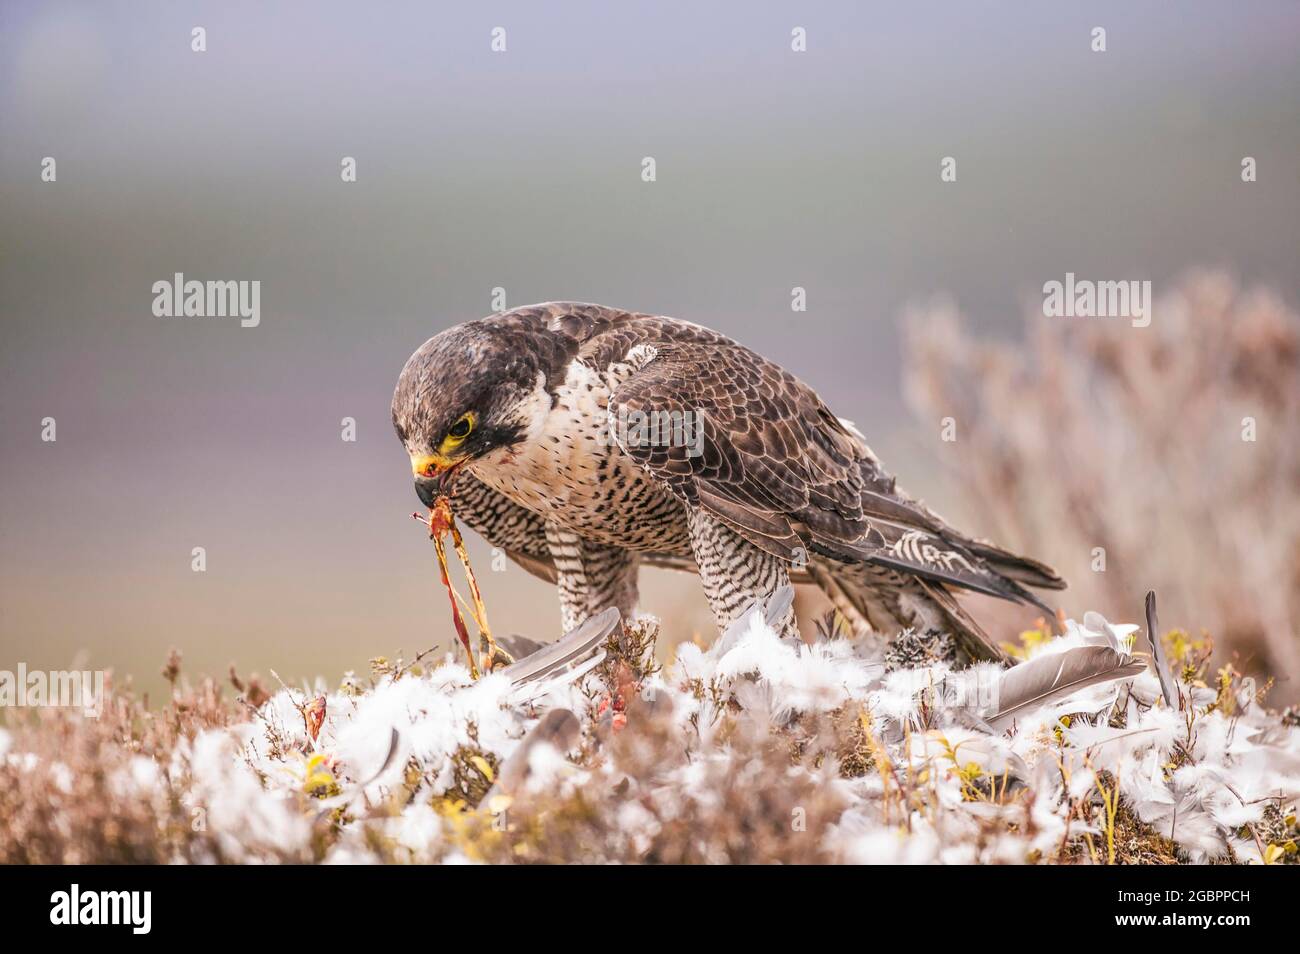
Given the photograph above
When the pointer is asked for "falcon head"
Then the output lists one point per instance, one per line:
(472, 391)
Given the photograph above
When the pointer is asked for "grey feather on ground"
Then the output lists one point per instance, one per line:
(570, 648)
(1167, 686)
(1052, 677)
(558, 728)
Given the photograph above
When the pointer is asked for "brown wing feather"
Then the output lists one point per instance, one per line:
(778, 466)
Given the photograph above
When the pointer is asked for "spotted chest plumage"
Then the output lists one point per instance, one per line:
(574, 473)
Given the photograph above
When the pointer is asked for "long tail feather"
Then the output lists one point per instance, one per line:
(1015, 567)
(970, 636)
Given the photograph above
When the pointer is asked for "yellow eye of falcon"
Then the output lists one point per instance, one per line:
(459, 431)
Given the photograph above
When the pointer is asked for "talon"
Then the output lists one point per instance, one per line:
(493, 657)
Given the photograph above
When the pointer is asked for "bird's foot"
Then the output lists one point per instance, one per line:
(493, 656)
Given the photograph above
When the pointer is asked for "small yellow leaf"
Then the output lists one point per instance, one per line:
(482, 765)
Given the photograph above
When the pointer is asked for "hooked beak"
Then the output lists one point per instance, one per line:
(436, 466)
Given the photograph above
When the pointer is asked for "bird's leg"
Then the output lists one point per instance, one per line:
(735, 573)
(441, 521)
(590, 576)
(456, 618)
(438, 522)
(493, 655)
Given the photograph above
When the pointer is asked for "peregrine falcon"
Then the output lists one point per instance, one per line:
(585, 441)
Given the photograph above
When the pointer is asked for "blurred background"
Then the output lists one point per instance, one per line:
(522, 170)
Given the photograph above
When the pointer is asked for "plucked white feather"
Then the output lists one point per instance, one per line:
(926, 721)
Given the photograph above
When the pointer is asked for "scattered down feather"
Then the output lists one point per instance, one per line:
(398, 752)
